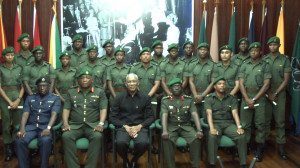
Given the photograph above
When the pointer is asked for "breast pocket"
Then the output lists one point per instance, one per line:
(259, 78)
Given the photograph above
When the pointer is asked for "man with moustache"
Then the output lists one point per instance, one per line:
(108, 59)
(24, 56)
(78, 54)
(243, 55)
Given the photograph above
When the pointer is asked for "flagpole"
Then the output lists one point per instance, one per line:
(282, 5)
(263, 11)
(217, 3)
(54, 1)
(252, 4)
(232, 7)
(204, 7)
(20, 14)
(34, 3)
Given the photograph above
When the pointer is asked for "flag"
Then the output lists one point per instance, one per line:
(3, 43)
(18, 31)
(280, 31)
(294, 84)
(202, 33)
(54, 47)
(264, 35)
(214, 44)
(36, 30)
(251, 33)
(232, 32)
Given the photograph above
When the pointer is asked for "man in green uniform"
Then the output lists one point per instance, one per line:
(157, 57)
(223, 119)
(78, 54)
(177, 111)
(201, 76)
(84, 115)
(228, 70)
(36, 70)
(254, 78)
(173, 68)
(24, 56)
(188, 48)
(11, 90)
(116, 74)
(108, 59)
(243, 55)
(280, 69)
(94, 64)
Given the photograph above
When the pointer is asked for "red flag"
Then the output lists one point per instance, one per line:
(36, 30)
(17, 31)
(264, 36)
(3, 43)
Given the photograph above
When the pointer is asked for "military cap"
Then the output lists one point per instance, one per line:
(77, 37)
(218, 79)
(254, 45)
(85, 72)
(24, 35)
(92, 47)
(203, 45)
(8, 50)
(243, 39)
(119, 49)
(42, 79)
(174, 81)
(225, 47)
(173, 45)
(108, 42)
(39, 47)
(65, 54)
(187, 42)
(156, 42)
(145, 49)
(274, 40)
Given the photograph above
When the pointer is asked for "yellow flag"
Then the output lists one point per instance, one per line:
(280, 31)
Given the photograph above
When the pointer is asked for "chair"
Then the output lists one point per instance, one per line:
(83, 144)
(131, 143)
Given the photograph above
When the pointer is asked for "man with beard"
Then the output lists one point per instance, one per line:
(78, 54)
(24, 57)
(108, 59)
(243, 55)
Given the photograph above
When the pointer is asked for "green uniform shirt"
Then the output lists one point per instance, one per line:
(254, 74)
(238, 59)
(221, 108)
(85, 108)
(23, 60)
(170, 70)
(184, 59)
(10, 77)
(65, 80)
(33, 72)
(158, 61)
(202, 73)
(117, 75)
(179, 112)
(107, 61)
(230, 73)
(99, 72)
(147, 76)
(76, 59)
(278, 65)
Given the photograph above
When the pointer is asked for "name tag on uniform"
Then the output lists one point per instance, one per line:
(171, 107)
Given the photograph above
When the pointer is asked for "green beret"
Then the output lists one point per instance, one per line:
(24, 35)
(173, 45)
(77, 37)
(42, 79)
(274, 40)
(85, 72)
(174, 81)
(8, 50)
(203, 45)
(218, 79)
(39, 47)
(145, 49)
(243, 39)
(92, 47)
(225, 47)
(187, 42)
(119, 49)
(108, 42)
(254, 45)
(156, 42)
(65, 54)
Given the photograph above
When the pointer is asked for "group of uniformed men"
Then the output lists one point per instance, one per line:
(191, 87)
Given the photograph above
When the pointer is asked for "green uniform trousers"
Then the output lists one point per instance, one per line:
(279, 117)
(9, 116)
(229, 129)
(189, 136)
(259, 118)
(69, 144)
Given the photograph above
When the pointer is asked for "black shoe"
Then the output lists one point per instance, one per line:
(9, 152)
(242, 166)
(181, 149)
(281, 152)
(212, 166)
(126, 164)
(259, 152)
(248, 149)
(154, 150)
(35, 153)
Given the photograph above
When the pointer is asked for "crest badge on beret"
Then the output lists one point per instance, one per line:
(43, 79)
(87, 72)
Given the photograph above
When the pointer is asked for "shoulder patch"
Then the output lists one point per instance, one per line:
(166, 97)
(187, 96)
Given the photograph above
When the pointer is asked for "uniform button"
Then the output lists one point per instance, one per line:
(84, 106)
(178, 125)
(37, 125)
(40, 103)
(38, 117)
(40, 110)
(83, 119)
(85, 100)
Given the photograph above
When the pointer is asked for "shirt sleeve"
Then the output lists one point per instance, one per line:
(26, 106)
(52, 73)
(115, 110)
(287, 66)
(186, 70)
(103, 100)
(189, 70)
(26, 72)
(68, 103)
(164, 106)
(234, 105)
(193, 107)
(148, 113)
(56, 105)
(267, 73)
(162, 70)
(158, 73)
(108, 74)
(207, 103)
(242, 72)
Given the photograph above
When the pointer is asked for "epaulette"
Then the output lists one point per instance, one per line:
(76, 86)
(81, 62)
(153, 63)
(166, 97)
(208, 95)
(187, 96)
(55, 94)
(136, 63)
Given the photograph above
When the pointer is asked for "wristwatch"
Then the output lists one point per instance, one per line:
(48, 127)
(240, 126)
(200, 130)
(254, 99)
(101, 123)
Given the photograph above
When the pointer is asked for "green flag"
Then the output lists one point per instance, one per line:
(294, 84)
(232, 33)
(202, 33)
